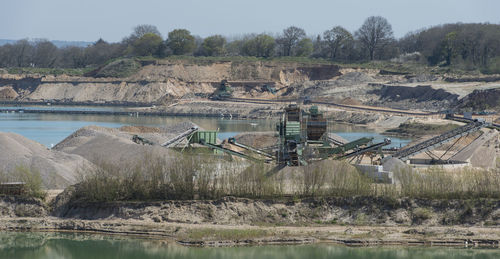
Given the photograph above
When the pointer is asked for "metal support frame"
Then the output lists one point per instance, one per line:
(439, 140)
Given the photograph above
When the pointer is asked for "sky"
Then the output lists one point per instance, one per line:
(112, 20)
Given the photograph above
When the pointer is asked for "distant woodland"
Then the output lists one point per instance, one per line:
(461, 46)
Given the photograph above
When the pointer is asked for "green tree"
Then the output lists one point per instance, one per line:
(147, 45)
(235, 47)
(214, 45)
(261, 45)
(138, 32)
(304, 48)
(449, 47)
(181, 42)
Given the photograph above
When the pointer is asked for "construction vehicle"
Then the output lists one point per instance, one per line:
(223, 91)
(268, 88)
(140, 140)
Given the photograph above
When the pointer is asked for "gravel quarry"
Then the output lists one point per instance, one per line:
(183, 86)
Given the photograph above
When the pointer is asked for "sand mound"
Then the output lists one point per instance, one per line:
(8, 93)
(58, 170)
(139, 129)
(99, 144)
(393, 165)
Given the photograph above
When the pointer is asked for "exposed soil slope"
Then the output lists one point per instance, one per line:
(168, 81)
(351, 211)
(481, 100)
(165, 80)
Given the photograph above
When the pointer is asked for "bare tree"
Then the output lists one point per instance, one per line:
(374, 33)
(138, 32)
(45, 54)
(73, 57)
(143, 29)
(336, 39)
(22, 53)
(290, 38)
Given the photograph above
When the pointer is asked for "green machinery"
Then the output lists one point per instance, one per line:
(268, 88)
(223, 91)
(302, 139)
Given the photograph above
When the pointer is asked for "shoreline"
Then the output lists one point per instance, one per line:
(185, 234)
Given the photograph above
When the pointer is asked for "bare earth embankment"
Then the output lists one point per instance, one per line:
(231, 221)
(183, 87)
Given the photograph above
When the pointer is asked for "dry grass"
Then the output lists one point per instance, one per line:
(203, 177)
(436, 183)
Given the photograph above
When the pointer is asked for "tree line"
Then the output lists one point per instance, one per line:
(467, 46)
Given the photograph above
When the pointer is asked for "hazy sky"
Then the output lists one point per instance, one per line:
(89, 20)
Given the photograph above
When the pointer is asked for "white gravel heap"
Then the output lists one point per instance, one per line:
(57, 169)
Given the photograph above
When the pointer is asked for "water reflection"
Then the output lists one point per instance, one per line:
(75, 246)
(50, 129)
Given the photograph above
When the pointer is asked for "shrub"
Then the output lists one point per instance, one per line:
(119, 68)
(195, 176)
(421, 214)
(32, 180)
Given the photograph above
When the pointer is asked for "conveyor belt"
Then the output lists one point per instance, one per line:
(432, 143)
(260, 152)
(366, 149)
(232, 152)
(178, 138)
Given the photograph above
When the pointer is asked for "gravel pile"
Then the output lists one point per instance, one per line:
(393, 164)
(57, 169)
(99, 144)
(257, 139)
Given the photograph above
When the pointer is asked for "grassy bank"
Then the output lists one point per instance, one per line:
(49, 71)
(123, 69)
